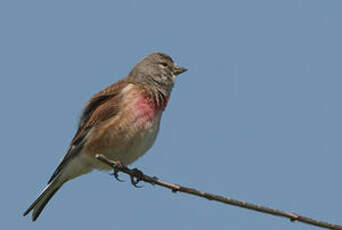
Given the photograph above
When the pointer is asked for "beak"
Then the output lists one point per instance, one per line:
(178, 70)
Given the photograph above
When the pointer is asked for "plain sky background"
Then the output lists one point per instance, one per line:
(257, 117)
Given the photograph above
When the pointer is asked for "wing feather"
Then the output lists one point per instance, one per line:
(99, 108)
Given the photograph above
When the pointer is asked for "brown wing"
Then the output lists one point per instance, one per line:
(100, 107)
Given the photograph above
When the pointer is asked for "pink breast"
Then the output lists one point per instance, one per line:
(141, 108)
(145, 108)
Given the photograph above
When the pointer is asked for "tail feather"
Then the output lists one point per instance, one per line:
(38, 205)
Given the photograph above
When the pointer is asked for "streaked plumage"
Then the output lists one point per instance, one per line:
(121, 122)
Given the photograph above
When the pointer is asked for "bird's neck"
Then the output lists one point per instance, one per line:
(147, 96)
(158, 98)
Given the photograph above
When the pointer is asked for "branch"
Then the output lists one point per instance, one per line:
(178, 188)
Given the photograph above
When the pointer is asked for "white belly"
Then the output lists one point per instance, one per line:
(133, 144)
(139, 144)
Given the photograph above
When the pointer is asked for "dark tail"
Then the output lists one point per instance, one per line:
(38, 205)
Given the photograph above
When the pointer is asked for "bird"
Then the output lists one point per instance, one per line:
(121, 122)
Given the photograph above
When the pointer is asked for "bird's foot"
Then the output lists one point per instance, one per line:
(117, 168)
(136, 177)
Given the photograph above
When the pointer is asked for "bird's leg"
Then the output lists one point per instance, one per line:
(116, 169)
(136, 177)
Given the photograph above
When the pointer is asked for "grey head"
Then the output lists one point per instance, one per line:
(157, 69)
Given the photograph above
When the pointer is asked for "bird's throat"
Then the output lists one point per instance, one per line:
(149, 106)
(143, 104)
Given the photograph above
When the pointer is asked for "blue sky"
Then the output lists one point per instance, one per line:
(257, 117)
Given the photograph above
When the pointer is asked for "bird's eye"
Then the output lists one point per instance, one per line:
(164, 64)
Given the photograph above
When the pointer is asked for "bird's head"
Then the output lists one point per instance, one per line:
(157, 69)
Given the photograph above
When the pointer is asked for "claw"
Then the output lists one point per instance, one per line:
(117, 170)
(116, 176)
(136, 177)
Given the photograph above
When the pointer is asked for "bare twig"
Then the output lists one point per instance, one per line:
(178, 188)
